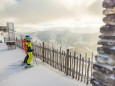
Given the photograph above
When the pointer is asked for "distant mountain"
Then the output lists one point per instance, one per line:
(80, 42)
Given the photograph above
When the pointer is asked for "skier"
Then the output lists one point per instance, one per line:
(29, 51)
(25, 49)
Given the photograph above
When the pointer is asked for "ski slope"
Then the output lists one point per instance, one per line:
(11, 74)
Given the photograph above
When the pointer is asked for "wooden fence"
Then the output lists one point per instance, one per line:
(70, 63)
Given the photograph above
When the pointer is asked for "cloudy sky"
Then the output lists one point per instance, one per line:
(33, 15)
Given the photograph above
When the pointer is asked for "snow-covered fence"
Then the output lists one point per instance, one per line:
(70, 63)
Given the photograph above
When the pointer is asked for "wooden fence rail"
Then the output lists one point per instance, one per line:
(70, 63)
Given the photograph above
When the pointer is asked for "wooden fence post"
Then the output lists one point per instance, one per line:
(53, 57)
(73, 70)
(50, 56)
(4, 39)
(8, 38)
(21, 43)
(85, 67)
(76, 63)
(57, 60)
(88, 71)
(70, 68)
(43, 51)
(92, 65)
(79, 72)
(16, 42)
(67, 61)
(60, 60)
(82, 69)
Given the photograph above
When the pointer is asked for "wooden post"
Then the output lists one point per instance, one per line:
(60, 60)
(40, 49)
(50, 55)
(16, 41)
(92, 65)
(4, 39)
(79, 68)
(44, 54)
(73, 71)
(67, 61)
(82, 68)
(70, 68)
(43, 51)
(53, 57)
(9, 38)
(64, 61)
(21, 43)
(57, 60)
(88, 71)
(85, 67)
(35, 50)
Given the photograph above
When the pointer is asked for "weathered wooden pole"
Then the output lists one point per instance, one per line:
(67, 61)
(43, 52)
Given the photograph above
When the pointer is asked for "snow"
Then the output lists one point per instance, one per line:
(106, 66)
(105, 59)
(113, 48)
(3, 47)
(2, 38)
(107, 34)
(11, 74)
(105, 40)
(110, 76)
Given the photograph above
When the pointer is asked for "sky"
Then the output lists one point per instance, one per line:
(35, 15)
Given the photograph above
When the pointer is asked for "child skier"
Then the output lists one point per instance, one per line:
(29, 51)
(25, 49)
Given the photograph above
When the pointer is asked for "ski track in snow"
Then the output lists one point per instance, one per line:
(10, 70)
(12, 74)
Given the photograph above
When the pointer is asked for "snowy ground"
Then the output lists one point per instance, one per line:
(2, 38)
(11, 74)
(3, 47)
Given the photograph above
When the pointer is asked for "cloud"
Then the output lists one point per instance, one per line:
(27, 13)
(96, 8)
(34, 11)
(6, 3)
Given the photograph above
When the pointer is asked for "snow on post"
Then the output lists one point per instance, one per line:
(104, 68)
